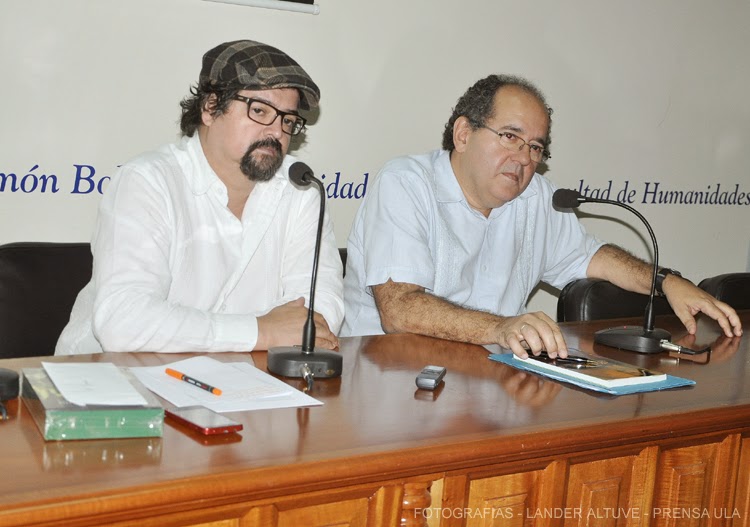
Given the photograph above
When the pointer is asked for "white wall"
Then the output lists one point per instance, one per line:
(645, 92)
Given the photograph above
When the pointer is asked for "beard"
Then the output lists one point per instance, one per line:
(262, 169)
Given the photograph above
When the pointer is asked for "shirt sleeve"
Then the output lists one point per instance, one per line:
(569, 248)
(132, 276)
(397, 227)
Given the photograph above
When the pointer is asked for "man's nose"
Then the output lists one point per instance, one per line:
(523, 155)
(274, 129)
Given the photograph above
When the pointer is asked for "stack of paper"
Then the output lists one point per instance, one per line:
(243, 386)
(599, 371)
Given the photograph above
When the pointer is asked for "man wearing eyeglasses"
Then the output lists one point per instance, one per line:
(205, 245)
(451, 243)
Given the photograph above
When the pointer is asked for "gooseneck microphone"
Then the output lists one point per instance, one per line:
(306, 361)
(644, 339)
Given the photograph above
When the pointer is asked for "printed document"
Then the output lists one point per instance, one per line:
(243, 386)
(93, 383)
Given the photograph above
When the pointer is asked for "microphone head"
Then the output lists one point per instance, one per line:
(300, 174)
(567, 199)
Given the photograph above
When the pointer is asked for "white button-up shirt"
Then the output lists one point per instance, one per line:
(175, 270)
(415, 226)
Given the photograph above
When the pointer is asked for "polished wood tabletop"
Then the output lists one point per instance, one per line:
(484, 411)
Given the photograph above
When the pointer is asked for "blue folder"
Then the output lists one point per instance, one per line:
(669, 382)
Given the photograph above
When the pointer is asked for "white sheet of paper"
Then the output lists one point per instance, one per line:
(98, 383)
(243, 386)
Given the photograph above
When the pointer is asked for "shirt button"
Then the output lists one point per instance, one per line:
(223, 307)
(484, 268)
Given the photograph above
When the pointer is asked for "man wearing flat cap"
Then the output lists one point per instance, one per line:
(205, 245)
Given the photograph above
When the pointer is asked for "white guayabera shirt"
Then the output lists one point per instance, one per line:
(415, 226)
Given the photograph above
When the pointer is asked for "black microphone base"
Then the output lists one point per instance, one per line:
(633, 338)
(290, 361)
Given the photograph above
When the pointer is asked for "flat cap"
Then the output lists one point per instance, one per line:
(257, 66)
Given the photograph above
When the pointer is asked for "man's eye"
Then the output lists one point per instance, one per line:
(258, 111)
(510, 137)
(536, 148)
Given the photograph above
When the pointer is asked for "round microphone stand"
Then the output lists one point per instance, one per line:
(307, 361)
(641, 339)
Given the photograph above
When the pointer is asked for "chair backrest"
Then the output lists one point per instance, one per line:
(39, 282)
(732, 288)
(590, 299)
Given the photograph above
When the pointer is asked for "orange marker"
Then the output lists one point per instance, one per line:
(195, 382)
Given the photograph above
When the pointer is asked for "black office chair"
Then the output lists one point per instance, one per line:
(732, 288)
(590, 299)
(39, 282)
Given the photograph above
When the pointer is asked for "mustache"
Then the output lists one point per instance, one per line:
(264, 143)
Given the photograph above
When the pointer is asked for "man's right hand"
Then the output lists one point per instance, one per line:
(282, 326)
(530, 332)
(408, 308)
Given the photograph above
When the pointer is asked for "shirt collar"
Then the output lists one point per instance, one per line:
(198, 173)
(447, 189)
(201, 177)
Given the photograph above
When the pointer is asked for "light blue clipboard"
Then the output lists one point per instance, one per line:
(670, 382)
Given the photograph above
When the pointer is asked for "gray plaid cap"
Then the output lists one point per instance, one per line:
(258, 66)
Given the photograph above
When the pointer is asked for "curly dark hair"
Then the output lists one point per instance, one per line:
(478, 105)
(200, 99)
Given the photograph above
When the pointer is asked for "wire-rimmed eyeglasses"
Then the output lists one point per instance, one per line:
(263, 113)
(511, 141)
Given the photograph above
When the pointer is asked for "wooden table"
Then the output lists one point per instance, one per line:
(491, 445)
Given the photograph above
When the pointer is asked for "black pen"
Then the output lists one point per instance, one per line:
(565, 360)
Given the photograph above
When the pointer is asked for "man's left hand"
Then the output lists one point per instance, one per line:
(687, 300)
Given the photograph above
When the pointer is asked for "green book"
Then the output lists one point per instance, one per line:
(58, 419)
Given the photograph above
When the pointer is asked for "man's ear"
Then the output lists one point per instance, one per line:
(462, 129)
(207, 109)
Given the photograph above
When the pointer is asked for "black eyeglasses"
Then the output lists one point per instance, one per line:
(511, 141)
(263, 113)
